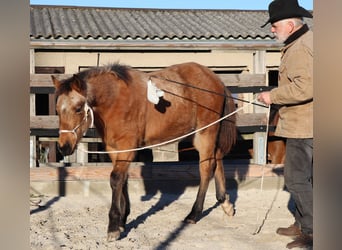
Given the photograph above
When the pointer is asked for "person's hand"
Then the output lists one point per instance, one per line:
(265, 98)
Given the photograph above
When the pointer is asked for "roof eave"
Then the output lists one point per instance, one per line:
(143, 44)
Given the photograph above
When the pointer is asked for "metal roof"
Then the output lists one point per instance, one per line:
(95, 23)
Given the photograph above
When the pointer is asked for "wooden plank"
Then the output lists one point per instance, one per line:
(249, 89)
(44, 121)
(44, 80)
(49, 70)
(42, 90)
(251, 119)
(46, 132)
(243, 80)
(240, 80)
(243, 119)
(174, 171)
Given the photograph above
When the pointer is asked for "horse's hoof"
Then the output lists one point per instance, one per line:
(113, 236)
(189, 221)
(228, 208)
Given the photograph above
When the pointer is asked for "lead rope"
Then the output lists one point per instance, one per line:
(172, 140)
(258, 229)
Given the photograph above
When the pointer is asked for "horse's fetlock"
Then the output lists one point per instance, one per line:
(228, 208)
(221, 198)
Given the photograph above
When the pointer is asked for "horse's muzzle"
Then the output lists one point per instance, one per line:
(65, 149)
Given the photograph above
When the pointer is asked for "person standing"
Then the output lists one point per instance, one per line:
(295, 95)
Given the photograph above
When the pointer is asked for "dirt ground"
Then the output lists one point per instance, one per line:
(155, 222)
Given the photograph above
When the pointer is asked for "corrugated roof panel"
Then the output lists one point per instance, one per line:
(41, 25)
(100, 27)
(84, 22)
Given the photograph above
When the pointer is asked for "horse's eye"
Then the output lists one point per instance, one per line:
(78, 110)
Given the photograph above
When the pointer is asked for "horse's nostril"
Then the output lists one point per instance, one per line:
(65, 149)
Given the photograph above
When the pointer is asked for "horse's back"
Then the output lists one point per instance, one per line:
(192, 73)
(190, 78)
(193, 97)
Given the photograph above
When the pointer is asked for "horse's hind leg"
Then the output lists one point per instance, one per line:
(220, 185)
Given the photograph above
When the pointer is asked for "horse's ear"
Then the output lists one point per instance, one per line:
(55, 81)
(77, 84)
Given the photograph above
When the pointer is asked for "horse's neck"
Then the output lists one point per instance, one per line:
(99, 92)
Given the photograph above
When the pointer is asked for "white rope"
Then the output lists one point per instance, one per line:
(85, 119)
(172, 140)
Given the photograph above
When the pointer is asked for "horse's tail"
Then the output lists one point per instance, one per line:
(228, 133)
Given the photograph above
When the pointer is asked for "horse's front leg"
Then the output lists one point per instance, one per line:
(120, 207)
(116, 215)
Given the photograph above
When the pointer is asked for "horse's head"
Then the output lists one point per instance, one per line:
(75, 115)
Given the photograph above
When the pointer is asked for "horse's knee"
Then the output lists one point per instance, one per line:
(118, 179)
(114, 178)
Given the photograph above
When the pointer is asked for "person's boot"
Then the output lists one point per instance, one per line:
(301, 241)
(293, 231)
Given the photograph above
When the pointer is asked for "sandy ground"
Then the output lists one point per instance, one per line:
(155, 222)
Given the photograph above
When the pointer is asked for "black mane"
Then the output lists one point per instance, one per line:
(122, 71)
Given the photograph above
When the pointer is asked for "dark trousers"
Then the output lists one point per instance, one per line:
(298, 180)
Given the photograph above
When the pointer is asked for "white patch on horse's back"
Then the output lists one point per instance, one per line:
(153, 92)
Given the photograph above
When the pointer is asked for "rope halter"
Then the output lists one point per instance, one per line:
(87, 110)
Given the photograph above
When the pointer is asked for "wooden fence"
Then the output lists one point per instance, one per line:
(252, 120)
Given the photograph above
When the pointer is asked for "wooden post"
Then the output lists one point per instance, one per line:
(33, 143)
(52, 144)
(260, 138)
(259, 148)
(81, 156)
(168, 152)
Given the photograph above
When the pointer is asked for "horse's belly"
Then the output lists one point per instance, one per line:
(161, 131)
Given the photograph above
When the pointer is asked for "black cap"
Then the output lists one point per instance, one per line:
(283, 9)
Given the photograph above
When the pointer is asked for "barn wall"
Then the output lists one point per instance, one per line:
(217, 58)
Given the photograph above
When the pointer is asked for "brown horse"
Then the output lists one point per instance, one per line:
(115, 98)
(276, 146)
